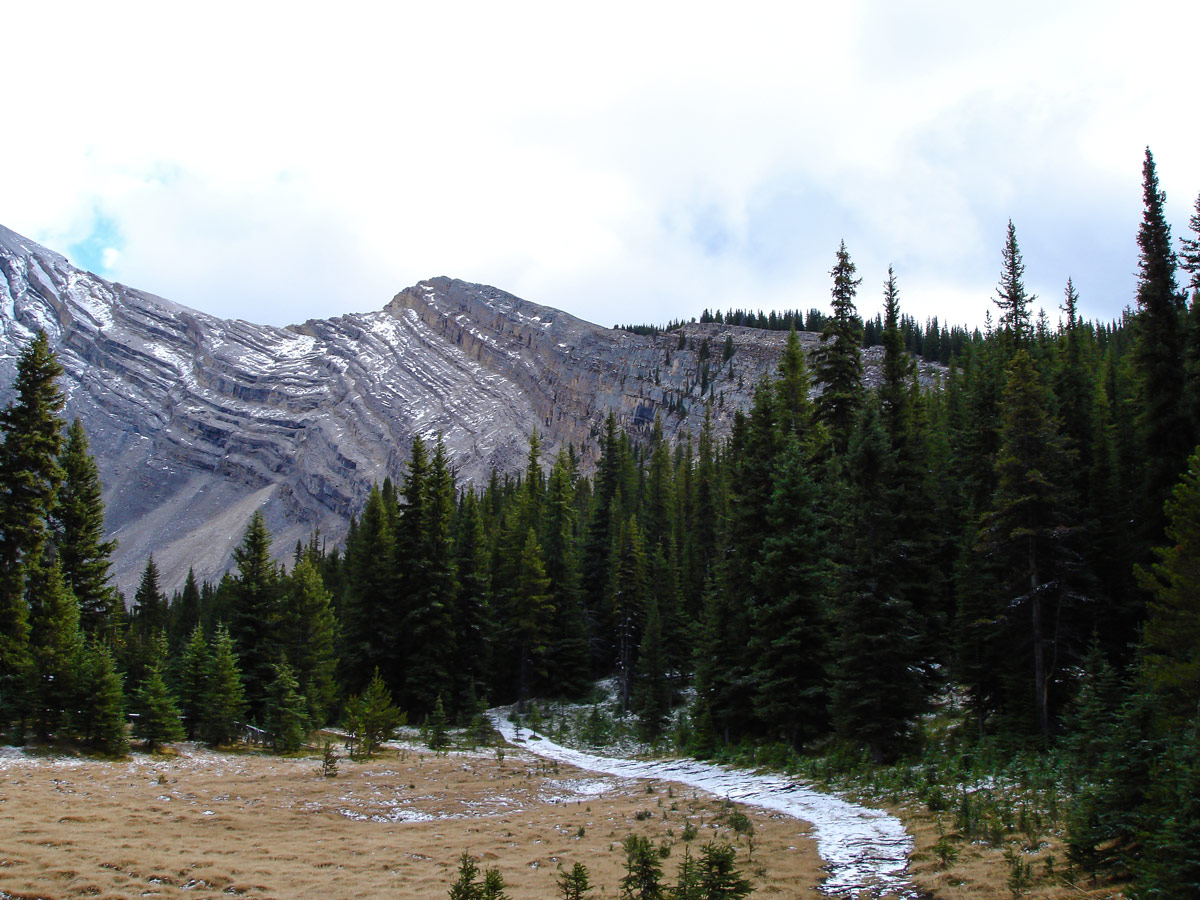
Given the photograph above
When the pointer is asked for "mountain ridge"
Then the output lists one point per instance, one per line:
(196, 421)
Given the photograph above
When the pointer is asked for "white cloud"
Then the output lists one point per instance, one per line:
(625, 162)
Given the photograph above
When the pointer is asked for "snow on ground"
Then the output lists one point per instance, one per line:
(865, 849)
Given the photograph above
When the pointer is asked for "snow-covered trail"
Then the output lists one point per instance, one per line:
(864, 849)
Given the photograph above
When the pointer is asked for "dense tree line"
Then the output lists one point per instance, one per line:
(1026, 535)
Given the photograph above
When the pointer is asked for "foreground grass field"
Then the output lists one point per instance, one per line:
(201, 824)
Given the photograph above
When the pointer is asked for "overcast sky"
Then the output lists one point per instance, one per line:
(622, 161)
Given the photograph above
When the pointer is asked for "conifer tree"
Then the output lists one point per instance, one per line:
(897, 365)
(225, 699)
(430, 585)
(157, 713)
(29, 478)
(719, 876)
(102, 704)
(78, 519)
(789, 646)
(286, 718)
(1167, 437)
(149, 602)
(837, 360)
(530, 615)
(568, 655)
(57, 651)
(1014, 302)
(256, 614)
(184, 613)
(1026, 533)
(1171, 639)
(371, 718)
(474, 624)
(308, 633)
(652, 692)
(369, 636)
(193, 672)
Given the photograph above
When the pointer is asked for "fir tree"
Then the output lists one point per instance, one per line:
(530, 616)
(286, 717)
(157, 713)
(192, 680)
(575, 883)
(102, 721)
(719, 877)
(652, 693)
(256, 614)
(1171, 639)
(371, 718)
(643, 871)
(837, 361)
(1158, 354)
(57, 649)
(308, 633)
(224, 702)
(29, 480)
(1026, 534)
(149, 602)
(1011, 297)
(789, 646)
(79, 534)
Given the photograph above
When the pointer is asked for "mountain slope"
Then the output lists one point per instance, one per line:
(196, 421)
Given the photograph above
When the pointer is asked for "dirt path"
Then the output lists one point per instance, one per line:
(865, 850)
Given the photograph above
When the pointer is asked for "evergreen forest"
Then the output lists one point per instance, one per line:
(1019, 544)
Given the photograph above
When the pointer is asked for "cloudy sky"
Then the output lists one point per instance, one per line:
(623, 161)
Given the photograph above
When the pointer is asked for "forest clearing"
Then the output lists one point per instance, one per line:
(204, 823)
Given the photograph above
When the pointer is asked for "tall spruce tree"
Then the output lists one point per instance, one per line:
(308, 633)
(1014, 302)
(837, 360)
(256, 615)
(224, 698)
(1167, 436)
(78, 519)
(29, 478)
(1028, 538)
(57, 647)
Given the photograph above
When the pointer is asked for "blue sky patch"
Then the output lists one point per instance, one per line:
(89, 253)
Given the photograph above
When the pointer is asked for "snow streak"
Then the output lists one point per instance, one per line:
(865, 850)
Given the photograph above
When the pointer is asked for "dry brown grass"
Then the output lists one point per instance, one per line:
(204, 824)
(981, 871)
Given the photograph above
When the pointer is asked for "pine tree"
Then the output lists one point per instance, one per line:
(78, 520)
(285, 717)
(158, 715)
(192, 681)
(308, 634)
(530, 616)
(1167, 436)
(837, 361)
(1171, 639)
(184, 613)
(652, 691)
(437, 727)
(430, 586)
(102, 722)
(57, 651)
(149, 602)
(575, 884)
(256, 614)
(1026, 534)
(897, 365)
(474, 623)
(371, 718)
(643, 871)
(225, 699)
(369, 637)
(1011, 298)
(29, 478)
(789, 646)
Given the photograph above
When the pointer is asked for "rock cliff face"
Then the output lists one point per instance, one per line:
(197, 421)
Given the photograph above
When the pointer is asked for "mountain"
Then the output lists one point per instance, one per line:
(196, 421)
